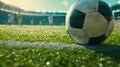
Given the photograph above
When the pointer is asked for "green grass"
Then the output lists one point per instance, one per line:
(35, 34)
(44, 57)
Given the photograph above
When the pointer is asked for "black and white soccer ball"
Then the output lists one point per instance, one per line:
(89, 21)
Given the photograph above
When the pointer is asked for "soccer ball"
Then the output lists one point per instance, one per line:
(89, 21)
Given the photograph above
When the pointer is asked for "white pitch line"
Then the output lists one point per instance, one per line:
(58, 45)
(40, 44)
(112, 51)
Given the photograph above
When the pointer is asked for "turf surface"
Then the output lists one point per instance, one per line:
(63, 52)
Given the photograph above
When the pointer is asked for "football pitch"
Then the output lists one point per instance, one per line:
(51, 46)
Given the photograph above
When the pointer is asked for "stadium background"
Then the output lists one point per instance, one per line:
(40, 18)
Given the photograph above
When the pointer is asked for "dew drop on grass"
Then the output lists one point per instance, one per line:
(100, 65)
(57, 53)
(1, 55)
(119, 65)
(31, 33)
(24, 59)
(13, 52)
(15, 58)
(39, 54)
(8, 56)
(16, 55)
(109, 62)
(77, 60)
(82, 65)
(30, 60)
(33, 50)
(47, 63)
(46, 32)
(102, 59)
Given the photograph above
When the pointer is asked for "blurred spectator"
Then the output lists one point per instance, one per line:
(50, 19)
(19, 18)
(32, 21)
(10, 19)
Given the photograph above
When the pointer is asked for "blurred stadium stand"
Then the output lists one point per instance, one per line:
(116, 11)
(40, 18)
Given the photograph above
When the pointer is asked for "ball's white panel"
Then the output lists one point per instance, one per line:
(95, 24)
(68, 15)
(78, 35)
(87, 6)
(110, 28)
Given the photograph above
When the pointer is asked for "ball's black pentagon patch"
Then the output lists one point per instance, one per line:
(77, 19)
(105, 10)
(96, 40)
